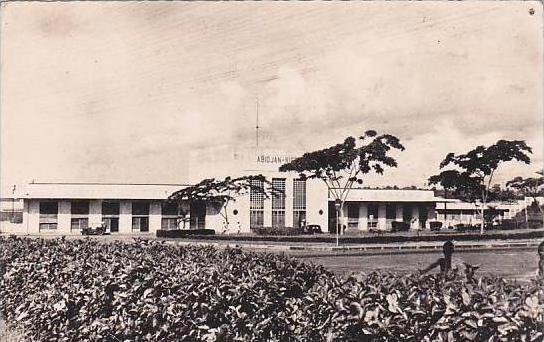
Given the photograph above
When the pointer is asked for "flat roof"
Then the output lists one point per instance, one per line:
(99, 191)
(391, 195)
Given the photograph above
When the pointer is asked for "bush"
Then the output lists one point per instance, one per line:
(435, 225)
(400, 226)
(86, 290)
(276, 231)
(181, 233)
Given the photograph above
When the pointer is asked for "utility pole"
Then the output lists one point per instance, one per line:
(257, 122)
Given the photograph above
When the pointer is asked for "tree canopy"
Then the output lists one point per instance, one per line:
(471, 174)
(346, 160)
(531, 186)
(222, 191)
(342, 165)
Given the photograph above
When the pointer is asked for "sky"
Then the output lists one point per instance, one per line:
(131, 92)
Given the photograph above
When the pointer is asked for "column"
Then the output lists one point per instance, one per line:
(25, 216)
(95, 213)
(363, 216)
(267, 212)
(64, 218)
(125, 217)
(33, 217)
(155, 216)
(382, 221)
(398, 213)
(289, 202)
(415, 217)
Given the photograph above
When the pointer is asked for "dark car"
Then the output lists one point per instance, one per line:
(98, 230)
(313, 229)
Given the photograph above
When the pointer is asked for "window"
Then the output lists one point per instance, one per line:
(390, 211)
(278, 202)
(80, 215)
(169, 216)
(256, 204)
(197, 214)
(140, 216)
(110, 215)
(353, 215)
(48, 215)
(372, 215)
(299, 202)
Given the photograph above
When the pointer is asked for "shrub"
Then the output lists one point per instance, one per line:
(276, 231)
(86, 290)
(400, 226)
(180, 233)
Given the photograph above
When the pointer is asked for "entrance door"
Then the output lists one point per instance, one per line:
(198, 215)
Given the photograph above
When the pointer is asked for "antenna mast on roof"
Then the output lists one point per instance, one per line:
(257, 122)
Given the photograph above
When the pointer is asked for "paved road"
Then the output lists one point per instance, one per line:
(516, 264)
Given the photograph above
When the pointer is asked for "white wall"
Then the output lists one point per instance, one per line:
(125, 217)
(316, 201)
(64, 218)
(95, 213)
(155, 216)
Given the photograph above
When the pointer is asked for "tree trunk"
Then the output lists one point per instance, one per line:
(482, 225)
(341, 216)
(526, 215)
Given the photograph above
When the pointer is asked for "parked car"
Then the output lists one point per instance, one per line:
(96, 230)
(312, 229)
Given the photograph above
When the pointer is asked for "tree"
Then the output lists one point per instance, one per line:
(342, 165)
(222, 192)
(473, 172)
(529, 187)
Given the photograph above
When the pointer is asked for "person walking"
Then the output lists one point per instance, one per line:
(448, 263)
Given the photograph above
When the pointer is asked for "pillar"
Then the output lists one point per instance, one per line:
(415, 217)
(398, 213)
(363, 216)
(155, 216)
(125, 217)
(64, 218)
(95, 213)
(267, 213)
(382, 221)
(34, 217)
(289, 202)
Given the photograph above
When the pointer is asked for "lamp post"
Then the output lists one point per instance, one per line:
(337, 205)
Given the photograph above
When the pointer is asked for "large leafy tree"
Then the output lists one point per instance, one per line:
(471, 175)
(529, 187)
(343, 165)
(222, 192)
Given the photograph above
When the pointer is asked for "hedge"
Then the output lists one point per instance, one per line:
(383, 238)
(87, 290)
(181, 233)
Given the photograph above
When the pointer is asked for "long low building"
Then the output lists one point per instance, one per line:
(66, 208)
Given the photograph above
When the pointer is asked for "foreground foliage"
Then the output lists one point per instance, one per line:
(78, 290)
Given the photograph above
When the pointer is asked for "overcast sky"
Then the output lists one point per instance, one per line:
(123, 92)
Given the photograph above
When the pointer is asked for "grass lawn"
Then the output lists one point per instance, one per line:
(513, 264)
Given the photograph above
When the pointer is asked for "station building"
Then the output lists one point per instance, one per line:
(66, 208)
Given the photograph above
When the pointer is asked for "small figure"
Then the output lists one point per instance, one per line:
(447, 263)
